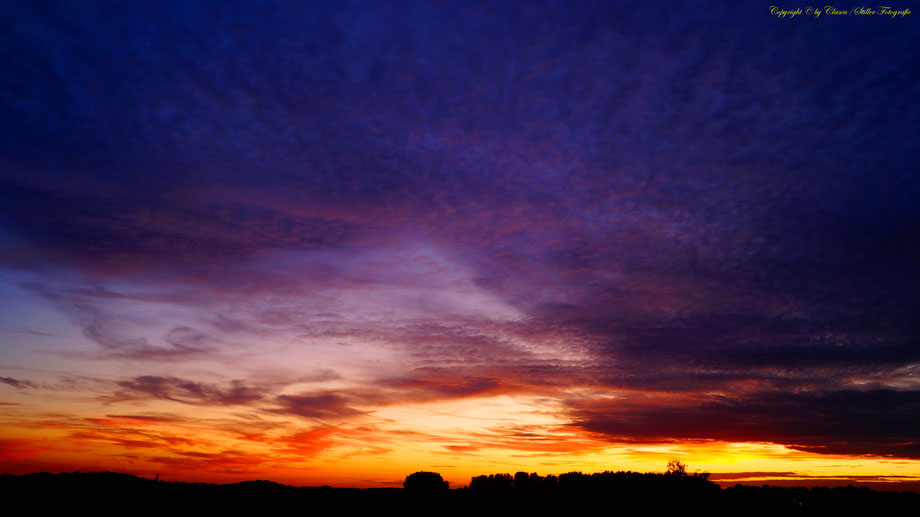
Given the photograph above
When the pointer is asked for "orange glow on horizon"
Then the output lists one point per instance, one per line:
(459, 439)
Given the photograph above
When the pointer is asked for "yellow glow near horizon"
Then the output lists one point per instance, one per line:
(457, 438)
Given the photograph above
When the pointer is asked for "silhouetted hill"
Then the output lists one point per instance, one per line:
(498, 494)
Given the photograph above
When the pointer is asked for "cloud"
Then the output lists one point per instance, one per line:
(141, 419)
(188, 392)
(307, 444)
(346, 404)
(14, 450)
(730, 476)
(447, 387)
(18, 384)
(876, 422)
(321, 406)
(113, 319)
(213, 462)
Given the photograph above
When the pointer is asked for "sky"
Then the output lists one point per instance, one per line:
(341, 242)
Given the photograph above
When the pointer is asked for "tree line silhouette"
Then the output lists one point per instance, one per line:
(427, 493)
(675, 477)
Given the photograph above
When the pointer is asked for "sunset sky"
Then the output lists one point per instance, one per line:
(338, 242)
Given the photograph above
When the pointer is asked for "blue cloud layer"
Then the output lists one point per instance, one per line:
(703, 196)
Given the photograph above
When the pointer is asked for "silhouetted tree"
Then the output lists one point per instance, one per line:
(676, 468)
(501, 481)
(536, 480)
(425, 482)
(521, 480)
(481, 483)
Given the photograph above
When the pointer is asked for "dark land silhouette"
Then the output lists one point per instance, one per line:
(426, 493)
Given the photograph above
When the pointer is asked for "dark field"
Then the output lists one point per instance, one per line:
(608, 493)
